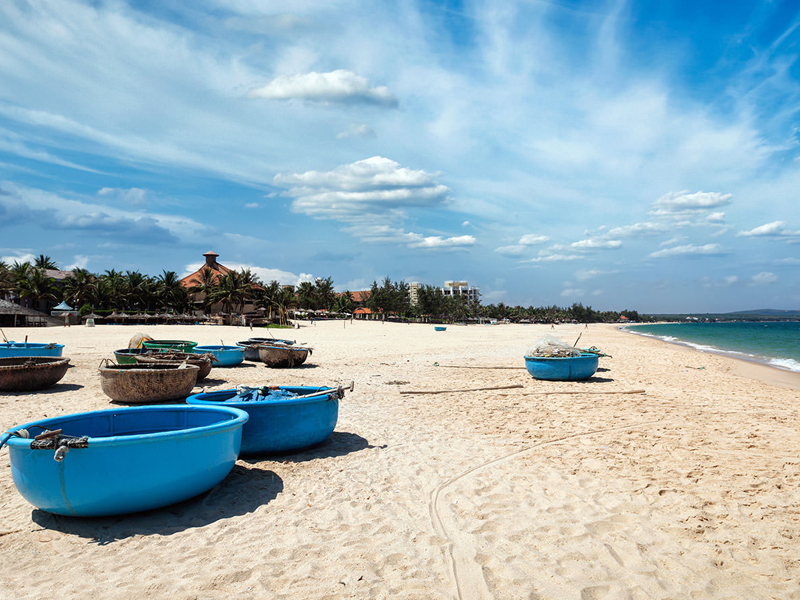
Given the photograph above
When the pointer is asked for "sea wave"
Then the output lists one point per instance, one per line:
(785, 363)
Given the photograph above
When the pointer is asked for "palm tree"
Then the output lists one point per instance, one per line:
(37, 287)
(230, 290)
(45, 262)
(80, 288)
(267, 296)
(113, 290)
(305, 295)
(170, 292)
(324, 295)
(206, 287)
(6, 279)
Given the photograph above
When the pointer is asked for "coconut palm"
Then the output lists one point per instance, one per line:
(38, 287)
(170, 292)
(44, 262)
(80, 288)
(206, 287)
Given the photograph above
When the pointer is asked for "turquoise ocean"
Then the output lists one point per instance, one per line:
(776, 344)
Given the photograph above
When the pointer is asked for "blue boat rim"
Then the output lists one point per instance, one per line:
(241, 417)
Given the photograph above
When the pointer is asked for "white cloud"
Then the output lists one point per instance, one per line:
(136, 196)
(764, 278)
(516, 250)
(54, 212)
(371, 196)
(252, 205)
(20, 258)
(688, 250)
(681, 203)
(716, 217)
(266, 274)
(531, 239)
(572, 293)
(341, 86)
(356, 131)
(773, 229)
(556, 258)
(637, 230)
(595, 244)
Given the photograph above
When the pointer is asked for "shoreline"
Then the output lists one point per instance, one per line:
(749, 367)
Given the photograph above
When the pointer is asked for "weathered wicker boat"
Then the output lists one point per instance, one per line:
(203, 361)
(29, 373)
(277, 356)
(147, 383)
(251, 346)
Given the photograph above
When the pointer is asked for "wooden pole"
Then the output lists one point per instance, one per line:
(502, 387)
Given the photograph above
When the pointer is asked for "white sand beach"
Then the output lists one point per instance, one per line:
(688, 490)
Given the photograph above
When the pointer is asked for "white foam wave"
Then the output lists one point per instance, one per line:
(785, 363)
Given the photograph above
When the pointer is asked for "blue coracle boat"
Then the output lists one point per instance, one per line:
(440, 328)
(282, 418)
(111, 462)
(568, 368)
(228, 356)
(9, 349)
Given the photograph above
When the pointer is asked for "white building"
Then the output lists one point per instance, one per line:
(462, 288)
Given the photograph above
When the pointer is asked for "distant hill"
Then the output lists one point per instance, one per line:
(761, 314)
(766, 312)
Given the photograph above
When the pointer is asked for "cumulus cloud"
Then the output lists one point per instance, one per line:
(764, 278)
(265, 274)
(682, 203)
(637, 230)
(555, 258)
(531, 239)
(341, 87)
(371, 196)
(136, 196)
(572, 293)
(773, 229)
(688, 250)
(514, 250)
(595, 244)
(252, 205)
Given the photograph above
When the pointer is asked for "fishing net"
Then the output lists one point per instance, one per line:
(550, 346)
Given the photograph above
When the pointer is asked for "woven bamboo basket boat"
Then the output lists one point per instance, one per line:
(147, 383)
(203, 361)
(283, 357)
(29, 373)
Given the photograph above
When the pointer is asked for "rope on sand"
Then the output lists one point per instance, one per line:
(502, 387)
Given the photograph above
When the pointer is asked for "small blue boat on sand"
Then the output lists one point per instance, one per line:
(440, 328)
(12, 349)
(111, 462)
(227, 356)
(566, 368)
(282, 418)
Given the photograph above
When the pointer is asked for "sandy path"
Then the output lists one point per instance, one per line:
(686, 491)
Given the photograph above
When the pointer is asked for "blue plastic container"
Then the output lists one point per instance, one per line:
(135, 458)
(228, 356)
(10, 349)
(571, 368)
(280, 425)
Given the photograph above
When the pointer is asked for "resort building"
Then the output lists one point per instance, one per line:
(462, 288)
(413, 293)
(217, 271)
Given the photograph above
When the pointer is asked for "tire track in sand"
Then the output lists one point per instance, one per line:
(468, 577)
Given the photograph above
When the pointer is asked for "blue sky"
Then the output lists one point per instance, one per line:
(639, 155)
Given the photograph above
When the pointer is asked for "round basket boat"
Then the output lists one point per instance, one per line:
(180, 345)
(440, 328)
(112, 462)
(250, 350)
(568, 368)
(148, 383)
(282, 418)
(282, 357)
(261, 340)
(203, 361)
(11, 349)
(29, 373)
(226, 356)
(127, 356)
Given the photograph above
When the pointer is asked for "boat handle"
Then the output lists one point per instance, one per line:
(48, 434)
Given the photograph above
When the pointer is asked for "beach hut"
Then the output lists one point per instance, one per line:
(14, 315)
